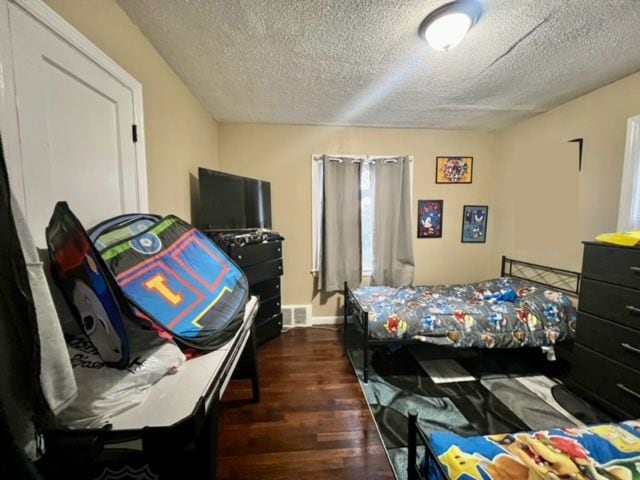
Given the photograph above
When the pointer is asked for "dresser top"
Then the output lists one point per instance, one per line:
(604, 244)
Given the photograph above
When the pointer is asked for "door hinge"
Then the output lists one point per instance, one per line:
(134, 132)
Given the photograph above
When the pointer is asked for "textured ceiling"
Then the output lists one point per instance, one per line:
(361, 62)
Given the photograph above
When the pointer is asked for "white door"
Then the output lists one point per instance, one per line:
(76, 130)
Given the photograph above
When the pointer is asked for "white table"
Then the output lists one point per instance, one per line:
(180, 410)
(174, 397)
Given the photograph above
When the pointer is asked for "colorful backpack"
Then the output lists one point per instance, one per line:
(116, 229)
(176, 276)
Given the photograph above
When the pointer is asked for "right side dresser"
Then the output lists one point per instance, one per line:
(605, 361)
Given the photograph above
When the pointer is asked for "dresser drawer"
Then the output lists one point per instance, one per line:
(256, 253)
(613, 340)
(268, 309)
(269, 328)
(607, 379)
(617, 265)
(263, 271)
(618, 304)
(266, 290)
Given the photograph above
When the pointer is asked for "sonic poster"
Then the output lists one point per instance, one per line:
(474, 223)
(430, 218)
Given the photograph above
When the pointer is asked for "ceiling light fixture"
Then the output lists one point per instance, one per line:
(445, 27)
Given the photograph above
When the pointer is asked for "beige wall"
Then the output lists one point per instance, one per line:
(541, 207)
(180, 134)
(281, 154)
(545, 207)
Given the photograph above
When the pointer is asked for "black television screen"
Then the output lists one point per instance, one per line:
(231, 202)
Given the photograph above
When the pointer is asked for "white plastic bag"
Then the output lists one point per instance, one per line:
(104, 392)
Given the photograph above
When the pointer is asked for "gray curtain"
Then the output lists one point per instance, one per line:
(341, 249)
(393, 262)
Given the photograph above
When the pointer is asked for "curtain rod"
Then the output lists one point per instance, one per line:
(339, 160)
(360, 158)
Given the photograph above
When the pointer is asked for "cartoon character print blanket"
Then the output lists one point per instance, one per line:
(499, 313)
(601, 452)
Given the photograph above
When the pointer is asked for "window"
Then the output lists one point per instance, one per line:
(366, 213)
(366, 210)
(629, 209)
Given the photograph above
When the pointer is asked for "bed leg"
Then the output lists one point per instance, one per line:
(413, 445)
(480, 364)
(365, 338)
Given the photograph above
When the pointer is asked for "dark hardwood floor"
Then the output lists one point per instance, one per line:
(312, 421)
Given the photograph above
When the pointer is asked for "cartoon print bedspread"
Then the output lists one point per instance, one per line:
(499, 313)
(601, 452)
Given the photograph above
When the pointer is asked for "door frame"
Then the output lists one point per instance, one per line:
(9, 121)
(629, 188)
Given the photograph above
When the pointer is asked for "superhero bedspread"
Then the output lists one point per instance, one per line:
(608, 451)
(499, 313)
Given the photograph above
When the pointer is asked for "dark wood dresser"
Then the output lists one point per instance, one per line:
(262, 264)
(605, 362)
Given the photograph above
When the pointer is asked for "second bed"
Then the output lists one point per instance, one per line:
(511, 311)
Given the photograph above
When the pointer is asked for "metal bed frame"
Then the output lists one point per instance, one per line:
(564, 280)
(414, 472)
(428, 467)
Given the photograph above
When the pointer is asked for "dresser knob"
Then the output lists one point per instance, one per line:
(239, 257)
(633, 309)
(630, 348)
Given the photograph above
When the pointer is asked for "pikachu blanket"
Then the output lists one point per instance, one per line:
(600, 452)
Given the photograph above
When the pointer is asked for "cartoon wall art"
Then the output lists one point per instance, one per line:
(430, 218)
(474, 223)
(454, 169)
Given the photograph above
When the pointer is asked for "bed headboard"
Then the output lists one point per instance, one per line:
(557, 278)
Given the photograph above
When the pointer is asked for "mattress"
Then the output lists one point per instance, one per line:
(500, 313)
(607, 451)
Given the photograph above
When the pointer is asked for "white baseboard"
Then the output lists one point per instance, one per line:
(326, 320)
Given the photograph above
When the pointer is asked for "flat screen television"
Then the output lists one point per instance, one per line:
(231, 202)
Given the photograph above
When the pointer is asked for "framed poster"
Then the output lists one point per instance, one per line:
(430, 218)
(454, 169)
(474, 223)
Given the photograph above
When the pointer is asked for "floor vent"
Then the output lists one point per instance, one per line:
(296, 316)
